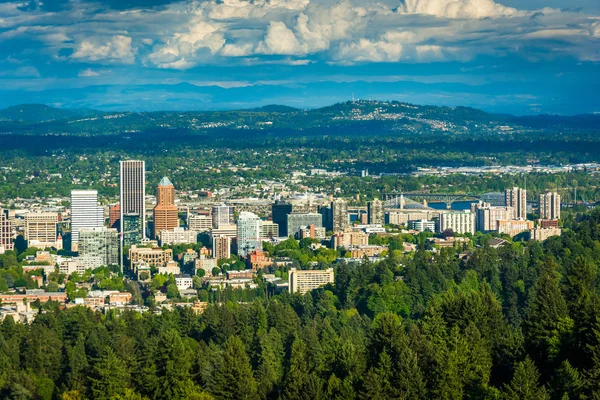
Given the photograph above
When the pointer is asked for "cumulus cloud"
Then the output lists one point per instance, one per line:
(116, 49)
(279, 40)
(86, 73)
(458, 8)
(184, 34)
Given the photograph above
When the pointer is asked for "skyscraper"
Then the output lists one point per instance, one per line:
(165, 212)
(133, 192)
(279, 214)
(517, 199)
(85, 213)
(248, 233)
(375, 212)
(339, 211)
(6, 242)
(550, 205)
(114, 216)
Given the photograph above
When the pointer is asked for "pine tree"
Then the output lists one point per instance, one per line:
(76, 368)
(173, 367)
(546, 321)
(568, 383)
(524, 384)
(270, 363)
(233, 378)
(110, 378)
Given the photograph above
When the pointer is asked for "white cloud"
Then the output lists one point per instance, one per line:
(88, 73)
(189, 33)
(367, 50)
(457, 8)
(116, 49)
(279, 39)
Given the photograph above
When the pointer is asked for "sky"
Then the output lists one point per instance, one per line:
(521, 57)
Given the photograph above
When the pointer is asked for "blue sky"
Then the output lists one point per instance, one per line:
(528, 56)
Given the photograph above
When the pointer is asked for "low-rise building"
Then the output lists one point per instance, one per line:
(119, 298)
(513, 227)
(170, 268)
(205, 263)
(155, 256)
(183, 282)
(349, 238)
(178, 236)
(422, 225)
(541, 234)
(302, 281)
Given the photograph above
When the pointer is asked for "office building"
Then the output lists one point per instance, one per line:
(156, 256)
(6, 238)
(326, 217)
(40, 229)
(458, 222)
(550, 205)
(302, 281)
(132, 193)
(296, 222)
(222, 215)
(225, 230)
(85, 213)
(375, 213)
(177, 236)
(101, 244)
(165, 212)
(402, 217)
(114, 216)
(422, 225)
(200, 223)
(248, 233)
(487, 216)
(268, 229)
(279, 214)
(339, 215)
(514, 226)
(517, 199)
(221, 247)
(131, 229)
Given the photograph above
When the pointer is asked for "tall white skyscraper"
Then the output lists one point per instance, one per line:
(517, 199)
(133, 191)
(85, 213)
(550, 205)
(248, 233)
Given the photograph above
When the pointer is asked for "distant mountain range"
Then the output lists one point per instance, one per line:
(510, 97)
(359, 117)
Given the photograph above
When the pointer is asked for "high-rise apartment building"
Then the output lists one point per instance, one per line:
(375, 213)
(221, 215)
(459, 222)
(133, 193)
(221, 247)
(550, 205)
(279, 214)
(40, 229)
(268, 229)
(165, 213)
(339, 213)
(517, 199)
(487, 217)
(101, 244)
(248, 233)
(6, 242)
(85, 213)
(302, 281)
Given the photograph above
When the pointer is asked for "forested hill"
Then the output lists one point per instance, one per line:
(361, 117)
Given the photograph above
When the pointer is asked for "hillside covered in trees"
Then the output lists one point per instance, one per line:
(518, 322)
